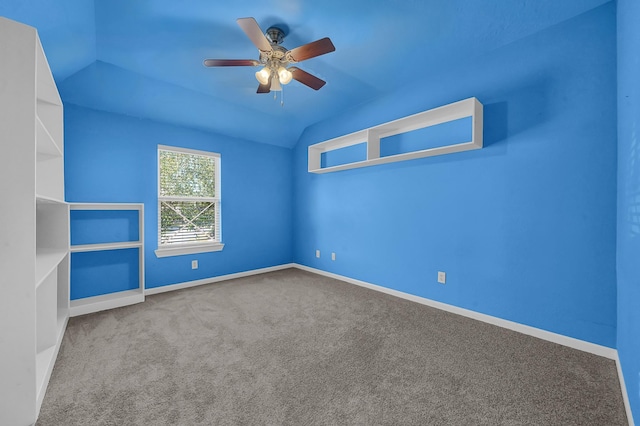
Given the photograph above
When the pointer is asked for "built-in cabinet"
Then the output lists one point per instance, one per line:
(34, 223)
(107, 256)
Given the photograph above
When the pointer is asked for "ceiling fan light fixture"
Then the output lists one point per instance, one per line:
(263, 75)
(275, 84)
(284, 75)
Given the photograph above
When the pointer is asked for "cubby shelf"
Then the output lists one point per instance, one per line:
(95, 223)
(44, 367)
(47, 260)
(47, 147)
(371, 137)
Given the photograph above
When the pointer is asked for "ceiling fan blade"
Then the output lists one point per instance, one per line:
(310, 50)
(230, 63)
(253, 31)
(265, 88)
(307, 79)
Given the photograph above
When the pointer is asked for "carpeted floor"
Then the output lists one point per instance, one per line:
(295, 348)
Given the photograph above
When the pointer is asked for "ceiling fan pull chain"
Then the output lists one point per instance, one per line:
(282, 98)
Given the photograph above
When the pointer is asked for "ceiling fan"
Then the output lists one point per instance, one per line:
(275, 58)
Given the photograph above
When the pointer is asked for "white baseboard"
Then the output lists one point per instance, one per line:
(178, 286)
(521, 328)
(625, 395)
(105, 302)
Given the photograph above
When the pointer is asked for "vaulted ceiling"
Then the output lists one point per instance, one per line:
(143, 58)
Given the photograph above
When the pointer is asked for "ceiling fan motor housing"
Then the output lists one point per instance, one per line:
(275, 35)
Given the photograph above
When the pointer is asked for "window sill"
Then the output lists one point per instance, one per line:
(180, 250)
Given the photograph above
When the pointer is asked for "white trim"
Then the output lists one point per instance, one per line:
(188, 151)
(105, 246)
(179, 286)
(41, 388)
(191, 249)
(191, 199)
(623, 388)
(106, 206)
(217, 245)
(521, 328)
(104, 302)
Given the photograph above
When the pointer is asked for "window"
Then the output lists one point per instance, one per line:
(188, 201)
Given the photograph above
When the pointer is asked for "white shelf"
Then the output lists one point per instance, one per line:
(52, 235)
(46, 312)
(371, 137)
(46, 145)
(50, 177)
(46, 262)
(105, 246)
(45, 360)
(107, 206)
(49, 200)
(120, 298)
(61, 323)
(105, 301)
(36, 293)
(63, 293)
(44, 363)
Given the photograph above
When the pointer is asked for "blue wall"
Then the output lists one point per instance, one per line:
(113, 158)
(629, 198)
(524, 228)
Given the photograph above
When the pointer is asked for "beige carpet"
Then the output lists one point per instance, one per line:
(295, 348)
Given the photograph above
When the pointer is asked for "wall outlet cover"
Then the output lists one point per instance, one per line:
(442, 277)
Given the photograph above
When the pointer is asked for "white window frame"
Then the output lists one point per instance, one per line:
(177, 249)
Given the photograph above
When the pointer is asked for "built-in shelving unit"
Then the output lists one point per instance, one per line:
(107, 256)
(370, 139)
(34, 257)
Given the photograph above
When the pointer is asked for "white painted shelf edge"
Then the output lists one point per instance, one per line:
(106, 206)
(47, 261)
(105, 301)
(45, 361)
(47, 199)
(470, 107)
(46, 145)
(105, 246)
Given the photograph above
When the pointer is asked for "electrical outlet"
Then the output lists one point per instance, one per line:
(333, 256)
(194, 264)
(317, 253)
(442, 277)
